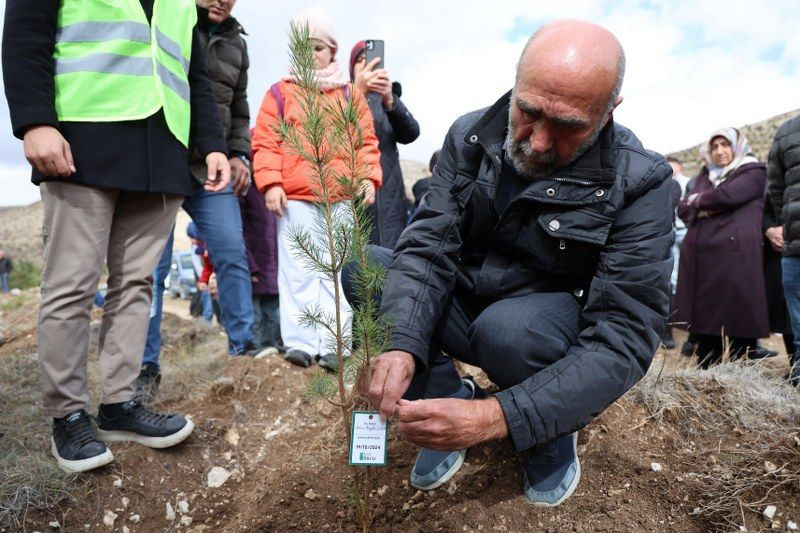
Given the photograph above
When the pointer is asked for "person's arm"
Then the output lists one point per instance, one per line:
(625, 314)
(425, 263)
(368, 153)
(267, 146)
(29, 35)
(776, 184)
(404, 125)
(239, 138)
(206, 128)
(734, 192)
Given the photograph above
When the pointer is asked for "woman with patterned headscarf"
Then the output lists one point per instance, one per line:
(721, 296)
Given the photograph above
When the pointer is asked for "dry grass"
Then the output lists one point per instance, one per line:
(738, 429)
(30, 481)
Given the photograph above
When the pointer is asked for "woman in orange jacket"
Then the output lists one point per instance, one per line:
(285, 179)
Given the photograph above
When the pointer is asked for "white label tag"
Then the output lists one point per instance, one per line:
(368, 439)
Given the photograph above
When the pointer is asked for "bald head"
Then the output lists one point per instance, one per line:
(575, 54)
(568, 82)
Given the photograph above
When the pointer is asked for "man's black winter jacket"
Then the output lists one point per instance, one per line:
(600, 229)
(783, 180)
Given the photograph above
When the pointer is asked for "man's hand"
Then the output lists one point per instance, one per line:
(368, 192)
(390, 375)
(219, 172)
(48, 152)
(201, 286)
(276, 200)
(241, 175)
(450, 424)
(775, 237)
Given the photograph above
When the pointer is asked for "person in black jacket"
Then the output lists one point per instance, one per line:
(110, 191)
(394, 124)
(541, 253)
(783, 181)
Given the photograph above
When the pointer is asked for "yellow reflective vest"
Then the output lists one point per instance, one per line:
(112, 65)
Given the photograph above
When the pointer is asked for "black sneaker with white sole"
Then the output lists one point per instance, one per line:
(75, 444)
(133, 422)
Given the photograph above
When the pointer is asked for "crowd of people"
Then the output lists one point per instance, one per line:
(540, 249)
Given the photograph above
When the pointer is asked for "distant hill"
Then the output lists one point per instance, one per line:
(759, 135)
(21, 227)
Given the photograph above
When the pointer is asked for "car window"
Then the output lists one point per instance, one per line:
(186, 262)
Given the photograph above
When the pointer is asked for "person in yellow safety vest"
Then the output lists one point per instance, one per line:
(108, 97)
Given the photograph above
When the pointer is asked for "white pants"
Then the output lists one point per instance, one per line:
(300, 289)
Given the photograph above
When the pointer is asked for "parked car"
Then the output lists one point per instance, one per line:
(182, 277)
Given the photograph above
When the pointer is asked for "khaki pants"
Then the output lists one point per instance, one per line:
(82, 227)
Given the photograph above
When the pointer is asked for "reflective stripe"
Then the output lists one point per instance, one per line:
(94, 31)
(172, 49)
(107, 63)
(180, 86)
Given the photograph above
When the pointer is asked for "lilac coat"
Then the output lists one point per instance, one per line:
(260, 240)
(720, 277)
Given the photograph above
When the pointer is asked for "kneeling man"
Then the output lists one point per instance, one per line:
(541, 254)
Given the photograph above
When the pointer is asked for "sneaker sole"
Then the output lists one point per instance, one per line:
(151, 442)
(80, 465)
(571, 488)
(447, 475)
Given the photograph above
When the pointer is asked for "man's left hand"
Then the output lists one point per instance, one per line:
(241, 175)
(219, 172)
(450, 424)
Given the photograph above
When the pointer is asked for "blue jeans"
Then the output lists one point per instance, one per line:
(4, 282)
(220, 224)
(791, 290)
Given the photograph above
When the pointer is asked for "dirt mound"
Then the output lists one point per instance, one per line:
(280, 463)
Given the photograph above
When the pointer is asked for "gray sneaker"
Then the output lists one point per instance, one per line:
(552, 475)
(299, 358)
(433, 468)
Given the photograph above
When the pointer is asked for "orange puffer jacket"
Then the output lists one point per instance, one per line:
(275, 164)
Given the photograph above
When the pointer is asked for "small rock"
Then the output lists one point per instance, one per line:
(770, 467)
(791, 526)
(227, 456)
(382, 490)
(770, 511)
(117, 483)
(232, 437)
(743, 529)
(406, 506)
(125, 529)
(170, 514)
(109, 518)
(656, 467)
(217, 477)
(125, 502)
(452, 488)
(54, 525)
(135, 519)
(186, 520)
(309, 495)
(183, 507)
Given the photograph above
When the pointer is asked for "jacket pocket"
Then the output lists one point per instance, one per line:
(578, 235)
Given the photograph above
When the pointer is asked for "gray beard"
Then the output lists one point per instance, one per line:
(535, 166)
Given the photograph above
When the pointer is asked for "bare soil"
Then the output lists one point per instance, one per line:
(289, 469)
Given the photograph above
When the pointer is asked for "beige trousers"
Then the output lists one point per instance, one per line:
(82, 227)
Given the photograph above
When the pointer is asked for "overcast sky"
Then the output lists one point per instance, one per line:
(693, 65)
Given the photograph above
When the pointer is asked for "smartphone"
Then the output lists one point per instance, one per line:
(374, 48)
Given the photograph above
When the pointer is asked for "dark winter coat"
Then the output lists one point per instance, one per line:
(228, 61)
(6, 265)
(721, 280)
(779, 319)
(390, 210)
(783, 175)
(260, 241)
(600, 229)
(138, 155)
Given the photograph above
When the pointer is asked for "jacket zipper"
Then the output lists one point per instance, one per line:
(574, 181)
